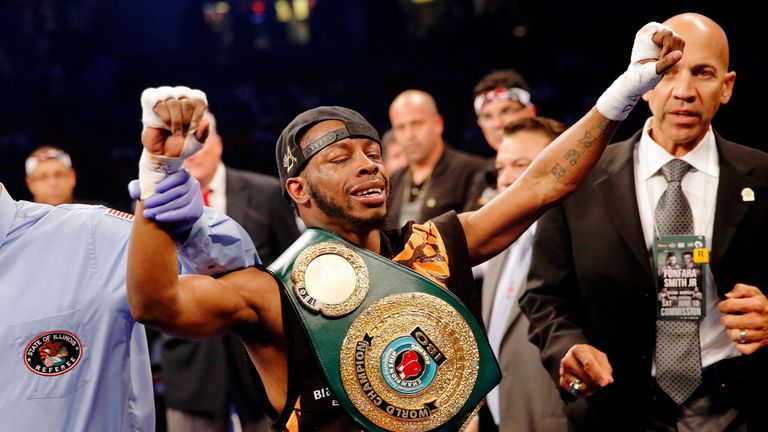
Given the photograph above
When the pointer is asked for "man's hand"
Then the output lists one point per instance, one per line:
(664, 47)
(587, 364)
(656, 49)
(177, 202)
(175, 128)
(745, 316)
(169, 115)
(671, 51)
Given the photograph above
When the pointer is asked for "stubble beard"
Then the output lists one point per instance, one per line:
(334, 210)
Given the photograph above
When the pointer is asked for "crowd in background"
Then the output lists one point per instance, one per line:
(70, 72)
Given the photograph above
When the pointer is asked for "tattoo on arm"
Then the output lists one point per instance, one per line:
(587, 140)
(572, 156)
(558, 171)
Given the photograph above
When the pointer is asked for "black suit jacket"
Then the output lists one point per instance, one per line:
(591, 279)
(448, 189)
(201, 376)
(255, 202)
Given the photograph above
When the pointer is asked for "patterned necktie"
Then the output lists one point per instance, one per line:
(678, 351)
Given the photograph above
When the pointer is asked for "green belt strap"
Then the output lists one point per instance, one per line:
(399, 308)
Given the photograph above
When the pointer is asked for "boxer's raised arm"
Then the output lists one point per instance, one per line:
(190, 306)
(566, 162)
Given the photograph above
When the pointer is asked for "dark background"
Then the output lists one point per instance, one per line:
(71, 72)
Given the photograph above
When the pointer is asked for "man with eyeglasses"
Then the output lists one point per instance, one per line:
(50, 176)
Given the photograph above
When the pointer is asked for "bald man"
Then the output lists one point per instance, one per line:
(592, 292)
(437, 178)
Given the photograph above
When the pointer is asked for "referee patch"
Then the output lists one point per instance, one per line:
(120, 214)
(53, 353)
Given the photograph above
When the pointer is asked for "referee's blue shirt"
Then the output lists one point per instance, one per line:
(74, 358)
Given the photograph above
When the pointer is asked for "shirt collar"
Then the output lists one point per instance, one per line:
(702, 158)
(7, 213)
(219, 180)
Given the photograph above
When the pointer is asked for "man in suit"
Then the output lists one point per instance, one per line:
(208, 379)
(591, 296)
(500, 98)
(526, 399)
(437, 177)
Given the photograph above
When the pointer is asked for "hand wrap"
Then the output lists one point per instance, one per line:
(619, 99)
(153, 168)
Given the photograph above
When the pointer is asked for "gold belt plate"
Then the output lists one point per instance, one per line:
(409, 362)
(330, 278)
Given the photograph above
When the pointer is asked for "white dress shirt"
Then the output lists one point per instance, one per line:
(217, 197)
(512, 279)
(700, 187)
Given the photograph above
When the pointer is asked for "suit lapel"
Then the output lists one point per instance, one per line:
(617, 190)
(490, 280)
(736, 174)
(514, 314)
(235, 200)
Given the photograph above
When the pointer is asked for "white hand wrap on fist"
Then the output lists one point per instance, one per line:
(623, 94)
(153, 168)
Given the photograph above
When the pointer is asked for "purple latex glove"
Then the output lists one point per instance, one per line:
(177, 203)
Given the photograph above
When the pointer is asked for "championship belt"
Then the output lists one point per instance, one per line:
(400, 352)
